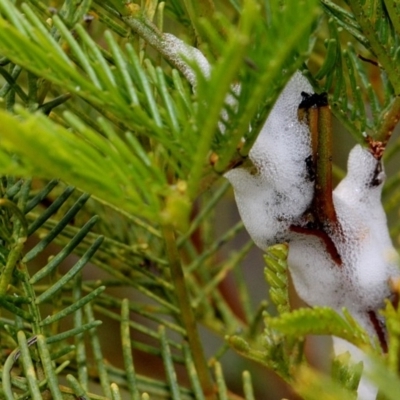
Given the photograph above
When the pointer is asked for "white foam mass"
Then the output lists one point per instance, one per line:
(369, 259)
(275, 194)
(367, 251)
(271, 198)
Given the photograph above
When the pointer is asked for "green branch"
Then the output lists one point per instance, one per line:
(187, 314)
(380, 51)
(160, 41)
(390, 118)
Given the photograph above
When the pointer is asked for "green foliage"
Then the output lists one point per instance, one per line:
(277, 276)
(110, 218)
(319, 321)
(310, 384)
(347, 373)
(147, 105)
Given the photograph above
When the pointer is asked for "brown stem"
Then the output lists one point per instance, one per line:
(309, 115)
(325, 209)
(315, 111)
(379, 330)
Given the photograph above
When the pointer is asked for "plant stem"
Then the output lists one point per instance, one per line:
(150, 33)
(17, 247)
(393, 12)
(323, 185)
(315, 111)
(187, 314)
(389, 120)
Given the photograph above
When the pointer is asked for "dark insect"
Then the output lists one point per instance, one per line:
(313, 100)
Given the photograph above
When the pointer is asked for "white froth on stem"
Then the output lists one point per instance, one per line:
(368, 257)
(366, 247)
(274, 195)
(276, 192)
